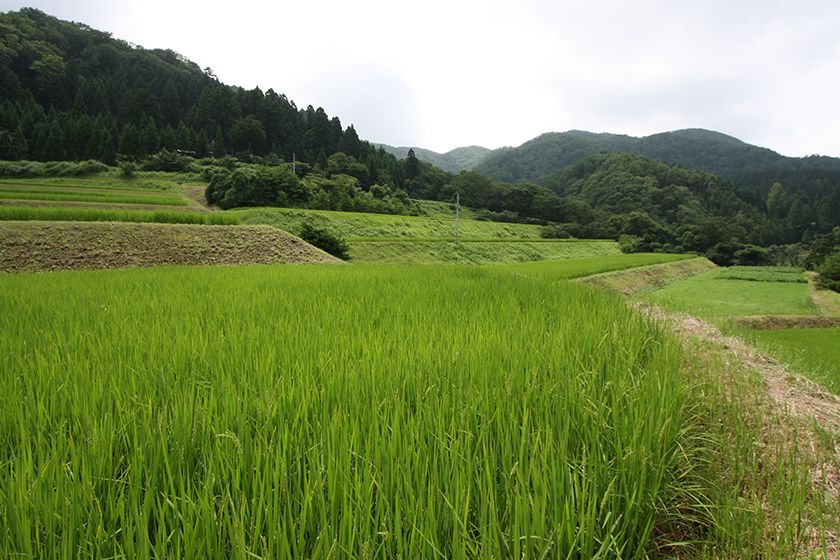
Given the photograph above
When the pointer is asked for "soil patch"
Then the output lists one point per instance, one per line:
(771, 322)
(43, 246)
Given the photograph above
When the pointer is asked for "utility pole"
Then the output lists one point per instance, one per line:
(293, 163)
(457, 214)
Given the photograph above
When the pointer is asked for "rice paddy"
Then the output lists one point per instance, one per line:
(733, 292)
(814, 352)
(25, 213)
(319, 412)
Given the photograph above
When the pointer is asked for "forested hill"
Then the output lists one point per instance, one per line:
(657, 206)
(459, 159)
(700, 149)
(72, 92)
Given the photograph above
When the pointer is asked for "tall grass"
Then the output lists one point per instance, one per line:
(20, 213)
(308, 412)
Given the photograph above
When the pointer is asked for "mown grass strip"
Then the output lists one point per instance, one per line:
(21, 213)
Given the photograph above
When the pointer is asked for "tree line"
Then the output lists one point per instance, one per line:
(73, 93)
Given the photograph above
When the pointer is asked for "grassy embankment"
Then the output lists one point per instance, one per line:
(42, 246)
(430, 239)
(322, 411)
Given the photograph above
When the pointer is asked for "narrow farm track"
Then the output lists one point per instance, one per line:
(798, 397)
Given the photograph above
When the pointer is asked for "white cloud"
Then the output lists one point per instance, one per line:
(441, 74)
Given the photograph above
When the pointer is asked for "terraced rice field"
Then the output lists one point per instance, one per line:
(298, 412)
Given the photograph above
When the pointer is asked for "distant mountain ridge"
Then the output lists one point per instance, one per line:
(459, 159)
(701, 149)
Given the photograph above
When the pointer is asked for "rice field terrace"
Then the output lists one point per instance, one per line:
(147, 197)
(320, 412)
(739, 291)
(813, 351)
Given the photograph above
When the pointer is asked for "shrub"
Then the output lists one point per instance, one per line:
(830, 272)
(822, 247)
(127, 168)
(166, 160)
(325, 240)
(50, 168)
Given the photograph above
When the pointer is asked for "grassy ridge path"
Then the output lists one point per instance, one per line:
(799, 397)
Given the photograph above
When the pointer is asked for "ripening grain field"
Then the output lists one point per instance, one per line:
(323, 412)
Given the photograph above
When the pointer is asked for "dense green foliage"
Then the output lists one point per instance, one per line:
(830, 272)
(325, 240)
(297, 411)
(694, 148)
(71, 92)
(332, 189)
(824, 257)
(460, 159)
(662, 206)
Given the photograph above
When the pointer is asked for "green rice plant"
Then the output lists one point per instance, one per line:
(318, 412)
(814, 353)
(763, 274)
(580, 267)
(116, 198)
(710, 296)
(21, 213)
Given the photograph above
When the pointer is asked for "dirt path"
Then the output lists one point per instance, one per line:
(798, 395)
(801, 398)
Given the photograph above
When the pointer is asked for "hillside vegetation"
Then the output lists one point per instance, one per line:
(700, 149)
(71, 92)
(460, 159)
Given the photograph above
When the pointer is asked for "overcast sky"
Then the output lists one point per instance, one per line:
(445, 73)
